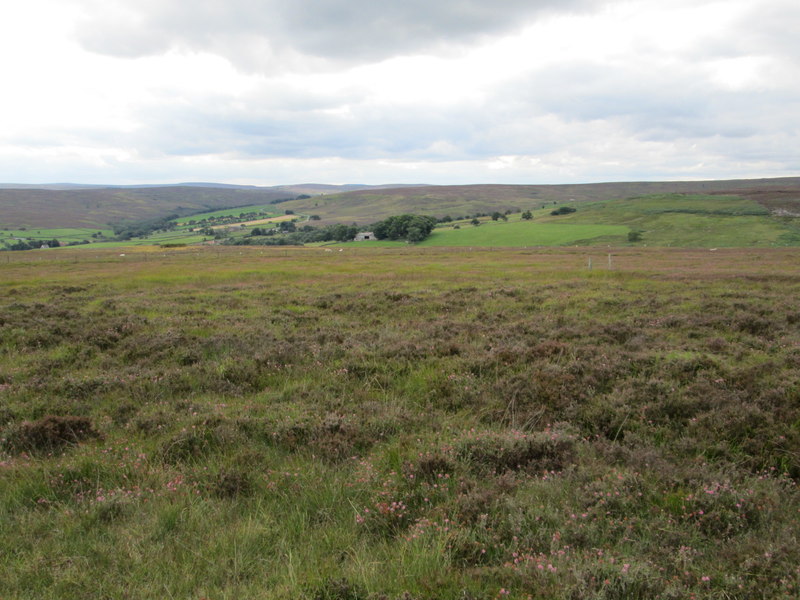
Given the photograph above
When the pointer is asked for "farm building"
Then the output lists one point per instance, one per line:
(365, 235)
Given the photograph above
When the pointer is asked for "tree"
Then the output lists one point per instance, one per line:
(415, 234)
(527, 215)
(402, 227)
(562, 210)
(475, 222)
(497, 215)
(342, 233)
(634, 236)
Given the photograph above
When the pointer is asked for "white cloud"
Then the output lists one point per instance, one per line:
(272, 92)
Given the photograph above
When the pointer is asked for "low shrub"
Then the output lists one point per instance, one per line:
(517, 451)
(48, 434)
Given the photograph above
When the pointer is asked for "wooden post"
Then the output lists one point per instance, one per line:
(590, 263)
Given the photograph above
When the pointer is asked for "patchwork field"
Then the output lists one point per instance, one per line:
(400, 423)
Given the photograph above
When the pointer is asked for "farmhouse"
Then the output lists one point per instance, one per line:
(365, 235)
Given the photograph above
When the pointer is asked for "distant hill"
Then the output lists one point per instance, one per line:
(367, 206)
(76, 205)
(99, 207)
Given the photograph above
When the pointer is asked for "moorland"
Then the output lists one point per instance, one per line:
(407, 422)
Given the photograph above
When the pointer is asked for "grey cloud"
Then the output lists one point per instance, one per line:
(583, 111)
(257, 33)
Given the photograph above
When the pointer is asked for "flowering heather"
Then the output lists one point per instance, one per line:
(408, 424)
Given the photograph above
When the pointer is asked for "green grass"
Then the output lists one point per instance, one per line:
(691, 221)
(398, 423)
(268, 210)
(521, 233)
(63, 234)
(705, 221)
(164, 237)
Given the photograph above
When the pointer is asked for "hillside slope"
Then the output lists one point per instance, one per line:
(368, 206)
(97, 207)
(66, 205)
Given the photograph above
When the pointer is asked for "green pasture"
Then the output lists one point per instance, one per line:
(64, 234)
(266, 210)
(169, 237)
(690, 221)
(511, 233)
(522, 233)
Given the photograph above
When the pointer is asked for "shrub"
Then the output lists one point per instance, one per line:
(512, 451)
(48, 434)
(563, 210)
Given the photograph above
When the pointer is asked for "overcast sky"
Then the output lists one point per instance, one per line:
(398, 91)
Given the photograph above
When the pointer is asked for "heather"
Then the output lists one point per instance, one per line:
(412, 423)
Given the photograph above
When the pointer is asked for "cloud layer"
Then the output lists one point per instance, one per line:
(265, 33)
(458, 91)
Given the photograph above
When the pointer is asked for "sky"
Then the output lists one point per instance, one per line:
(270, 92)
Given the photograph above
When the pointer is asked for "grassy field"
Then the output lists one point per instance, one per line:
(269, 210)
(691, 221)
(64, 235)
(406, 423)
(710, 221)
(522, 233)
(514, 233)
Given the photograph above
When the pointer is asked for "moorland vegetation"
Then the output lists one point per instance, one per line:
(414, 423)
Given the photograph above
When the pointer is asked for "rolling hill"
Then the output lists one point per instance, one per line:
(96, 207)
(367, 206)
(73, 205)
